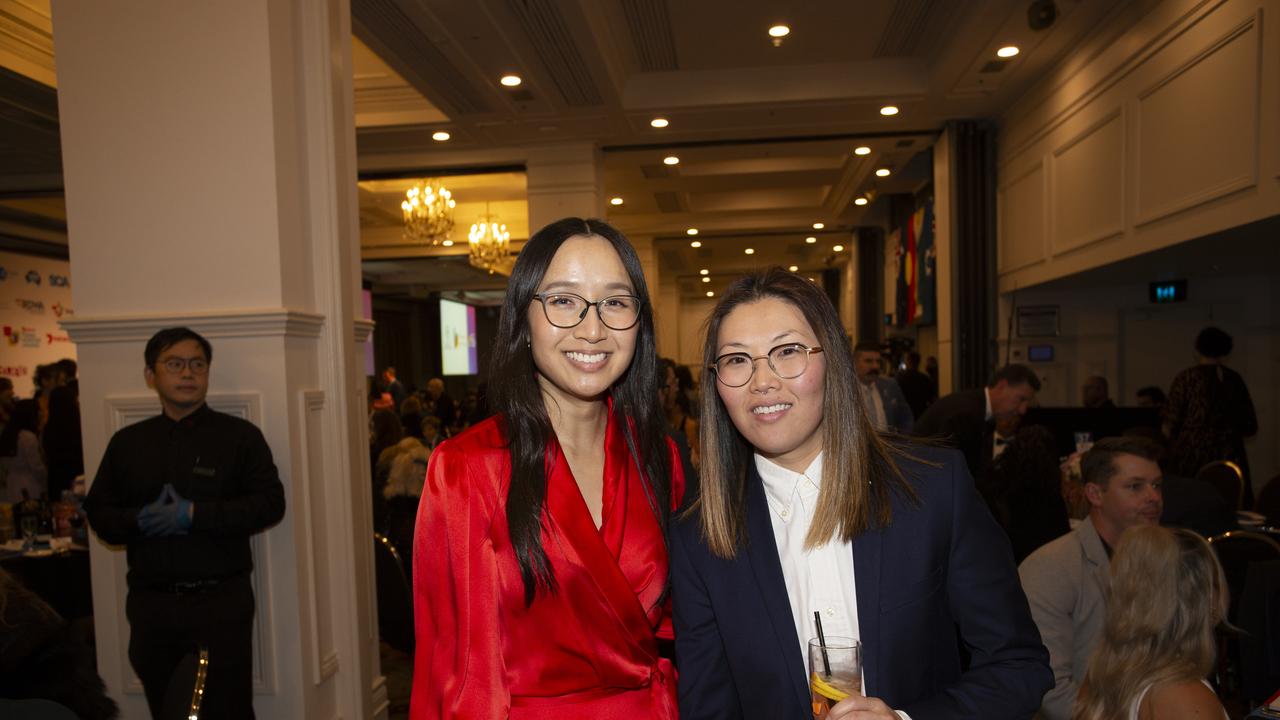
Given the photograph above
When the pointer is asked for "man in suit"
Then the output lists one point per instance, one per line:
(1066, 580)
(886, 404)
(918, 388)
(967, 417)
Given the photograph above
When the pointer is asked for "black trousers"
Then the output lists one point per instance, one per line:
(167, 630)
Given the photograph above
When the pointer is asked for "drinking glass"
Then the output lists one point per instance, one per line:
(29, 527)
(835, 672)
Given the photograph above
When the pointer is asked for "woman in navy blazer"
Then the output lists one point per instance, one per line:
(944, 625)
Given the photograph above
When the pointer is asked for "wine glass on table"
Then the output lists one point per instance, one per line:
(29, 524)
(835, 671)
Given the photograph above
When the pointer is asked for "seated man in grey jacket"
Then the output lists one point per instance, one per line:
(1066, 580)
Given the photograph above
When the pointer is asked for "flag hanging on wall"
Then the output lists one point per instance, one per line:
(892, 270)
(925, 294)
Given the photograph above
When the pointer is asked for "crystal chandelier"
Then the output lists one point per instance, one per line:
(490, 243)
(428, 212)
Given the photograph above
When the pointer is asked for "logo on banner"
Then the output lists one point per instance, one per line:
(56, 338)
(59, 281)
(13, 371)
(32, 306)
(27, 336)
(59, 309)
(33, 277)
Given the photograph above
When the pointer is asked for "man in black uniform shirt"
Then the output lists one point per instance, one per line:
(184, 491)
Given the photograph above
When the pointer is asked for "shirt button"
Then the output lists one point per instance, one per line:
(785, 513)
(831, 612)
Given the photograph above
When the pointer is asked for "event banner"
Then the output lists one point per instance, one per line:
(35, 293)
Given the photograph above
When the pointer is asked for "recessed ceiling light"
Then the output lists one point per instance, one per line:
(862, 150)
(511, 80)
(889, 110)
(882, 172)
(860, 201)
(704, 271)
(1008, 51)
(779, 31)
(794, 268)
(811, 240)
(447, 243)
(813, 280)
(615, 201)
(671, 160)
(750, 251)
(691, 231)
(711, 293)
(439, 136)
(706, 279)
(819, 226)
(695, 244)
(838, 248)
(659, 122)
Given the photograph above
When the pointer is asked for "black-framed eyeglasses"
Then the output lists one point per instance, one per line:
(786, 361)
(175, 365)
(566, 310)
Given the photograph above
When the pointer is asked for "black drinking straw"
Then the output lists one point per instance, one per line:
(822, 643)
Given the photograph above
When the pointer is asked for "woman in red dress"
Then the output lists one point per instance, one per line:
(540, 562)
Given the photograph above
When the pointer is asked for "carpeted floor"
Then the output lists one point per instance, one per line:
(398, 669)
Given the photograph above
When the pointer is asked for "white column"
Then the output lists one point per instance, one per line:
(209, 157)
(564, 181)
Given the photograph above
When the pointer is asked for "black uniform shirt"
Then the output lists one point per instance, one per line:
(219, 462)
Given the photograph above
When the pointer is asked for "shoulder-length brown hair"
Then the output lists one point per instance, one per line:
(859, 469)
(1167, 595)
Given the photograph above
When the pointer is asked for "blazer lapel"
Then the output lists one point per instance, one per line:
(763, 552)
(866, 579)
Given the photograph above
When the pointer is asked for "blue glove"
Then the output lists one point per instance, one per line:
(170, 514)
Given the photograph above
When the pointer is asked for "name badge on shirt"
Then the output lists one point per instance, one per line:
(203, 472)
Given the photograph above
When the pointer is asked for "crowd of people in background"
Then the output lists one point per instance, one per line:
(40, 447)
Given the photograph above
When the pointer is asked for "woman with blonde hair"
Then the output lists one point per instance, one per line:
(1168, 594)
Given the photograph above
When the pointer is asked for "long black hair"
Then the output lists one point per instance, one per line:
(517, 398)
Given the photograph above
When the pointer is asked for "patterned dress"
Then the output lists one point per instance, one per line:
(1207, 418)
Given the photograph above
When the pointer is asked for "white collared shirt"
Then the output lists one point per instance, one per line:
(878, 416)
(820, 579)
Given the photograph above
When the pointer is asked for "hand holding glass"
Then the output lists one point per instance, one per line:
(835, 672)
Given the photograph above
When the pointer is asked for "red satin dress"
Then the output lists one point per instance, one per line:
(589, 650)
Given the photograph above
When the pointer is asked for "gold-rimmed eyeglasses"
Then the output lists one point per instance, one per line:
(787, 361)
(566, 310)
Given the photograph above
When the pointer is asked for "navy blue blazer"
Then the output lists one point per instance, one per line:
(946, 630)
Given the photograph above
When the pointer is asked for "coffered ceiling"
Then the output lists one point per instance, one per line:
(765, 132)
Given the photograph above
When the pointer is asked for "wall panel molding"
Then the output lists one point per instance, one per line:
(324, 657)
(1235, 148)
(1022, 220)
(1119, 71)
(251, 322)
(1168, 133)
(1078, 167)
